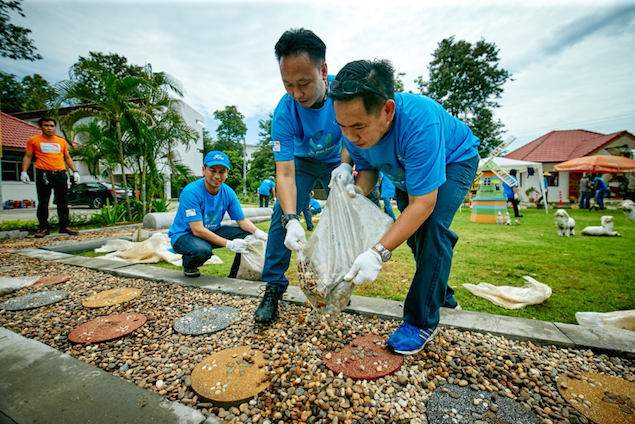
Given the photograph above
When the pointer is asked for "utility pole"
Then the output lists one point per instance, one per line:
(244, 167)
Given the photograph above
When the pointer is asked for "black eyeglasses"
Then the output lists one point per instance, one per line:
(354, 87)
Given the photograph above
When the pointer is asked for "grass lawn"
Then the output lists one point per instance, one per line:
(585, 273)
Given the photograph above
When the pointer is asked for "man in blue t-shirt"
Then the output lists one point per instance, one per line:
(387, 193)
(311, 207)
(307, 146)
(266, 188)
(197, 229)
(601, 191)
(431, 157)
(512, 193)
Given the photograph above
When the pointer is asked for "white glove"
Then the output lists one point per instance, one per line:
(76, 177)
(515, 196)
(344, 172)
(261, 235)
(354, 190)
(295, 237)
(365, 268)
(238, 245)
(24, 177)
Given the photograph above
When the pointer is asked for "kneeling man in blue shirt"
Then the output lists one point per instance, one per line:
(197, 229)
(431, 157)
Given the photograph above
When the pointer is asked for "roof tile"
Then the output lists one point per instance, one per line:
(16, 132)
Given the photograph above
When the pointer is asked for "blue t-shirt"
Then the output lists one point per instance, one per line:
(387, 187)
(600, 184)
(423, 139)
(196, 204)
(509, 191)
(266, 186)
(305, 132)
(314, 204)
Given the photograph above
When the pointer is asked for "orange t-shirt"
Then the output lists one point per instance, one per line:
(49, 153)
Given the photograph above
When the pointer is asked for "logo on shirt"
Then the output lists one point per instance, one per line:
(276, 146)
(50, 148)
(190, 212)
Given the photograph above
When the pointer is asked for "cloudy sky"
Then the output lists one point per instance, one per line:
(573, 63)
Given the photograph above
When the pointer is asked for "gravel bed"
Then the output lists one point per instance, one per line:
(301, 388)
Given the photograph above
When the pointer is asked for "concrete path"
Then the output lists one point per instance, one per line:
(35, 377)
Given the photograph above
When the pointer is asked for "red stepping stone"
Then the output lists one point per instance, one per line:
(365, 358)
(107, 328)
(50, 280)
(7, 249)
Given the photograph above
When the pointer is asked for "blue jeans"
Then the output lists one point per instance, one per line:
(585, 199)
(264, 200)
(308, 212)
(599, 197)
(388, 208)
(433, 245)
(277, 256)
(197, 251)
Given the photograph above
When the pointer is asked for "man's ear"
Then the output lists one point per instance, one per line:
(325, 71)
(389, 109)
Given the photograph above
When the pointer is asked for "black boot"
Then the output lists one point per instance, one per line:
(269, 304)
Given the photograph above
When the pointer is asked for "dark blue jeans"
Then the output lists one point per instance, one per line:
(585, 199)
(388, 208)
(433, 246)
(264, 200)
(599, 197)
(45, 182)
(277, 256)
(197, 251)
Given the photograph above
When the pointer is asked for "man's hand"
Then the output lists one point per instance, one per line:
(24, 177)
(76, 177)
(261, 235)
(354, 190)
(343, 172)
(515, 196)
(238, 245)
(295, 237)
(365, 268)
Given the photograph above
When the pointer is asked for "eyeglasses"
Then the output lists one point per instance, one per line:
(354, 87)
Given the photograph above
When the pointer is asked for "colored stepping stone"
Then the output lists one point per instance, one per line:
(107, 328)
(111, 297)
(475, 406)
(205, 320)
(365, 358)
(601, 398)
(33, 300)
(231, 375)
(50, 280)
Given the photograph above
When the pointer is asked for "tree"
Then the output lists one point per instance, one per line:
(11, 93)
(263, 164)
(32, 93)
(399, 88)
(14, 40)
(230, 133)
(208, 141)
(466, 80)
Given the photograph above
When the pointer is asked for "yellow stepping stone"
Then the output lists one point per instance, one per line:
(111, 297)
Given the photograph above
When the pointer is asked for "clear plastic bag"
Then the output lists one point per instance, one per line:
(348, 227)
(252, 262)
(531, 293)
(624, 320)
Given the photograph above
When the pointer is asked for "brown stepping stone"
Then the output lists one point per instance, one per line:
(601, 398)
(231, 375)
(111, 297)
(106, 328)
(7, 249)
(365, 358)
(50, 280)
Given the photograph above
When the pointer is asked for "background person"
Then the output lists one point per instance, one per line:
(586, 191)
(546, 182)
(267, 187)
(431, 157)
(197, 229)
(601, 191)
(387, 193)
(311, 207)
(512, 193)
(51, 157)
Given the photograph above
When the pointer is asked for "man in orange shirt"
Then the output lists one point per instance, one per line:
(51, 152)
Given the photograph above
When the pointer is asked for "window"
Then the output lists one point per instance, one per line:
(552, 181)
(497, 187)
(487, 181)
(12, 166)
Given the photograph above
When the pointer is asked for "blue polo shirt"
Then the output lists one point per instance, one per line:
(387, 187)
(197, 204)
(266, 186)
(509, 191)
(423, 139)
(305, 132)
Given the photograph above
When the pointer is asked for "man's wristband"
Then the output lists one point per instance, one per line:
(288, 217)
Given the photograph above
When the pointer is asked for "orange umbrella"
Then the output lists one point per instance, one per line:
(598, 163)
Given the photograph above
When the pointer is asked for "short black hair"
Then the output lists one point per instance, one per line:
(46, 119)
(513, 172)
(376, 75)
(299, 40)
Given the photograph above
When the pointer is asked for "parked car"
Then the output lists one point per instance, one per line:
(94, 194)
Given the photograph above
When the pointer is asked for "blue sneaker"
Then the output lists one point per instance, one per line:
(409, 339)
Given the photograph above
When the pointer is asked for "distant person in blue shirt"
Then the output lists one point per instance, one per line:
(512, 193)
(387, 194)
(431, 157)
(601, 191)
(267, 187)
(546, 182)
(311, 207)
(197, 229)
(307, 147)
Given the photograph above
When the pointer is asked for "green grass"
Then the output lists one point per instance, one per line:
(585, 273)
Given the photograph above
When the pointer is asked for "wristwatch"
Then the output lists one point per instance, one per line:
(383, 252)
(288, 217)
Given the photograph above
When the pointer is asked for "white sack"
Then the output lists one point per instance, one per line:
(532, 293)
(9, 284)
(624, 320)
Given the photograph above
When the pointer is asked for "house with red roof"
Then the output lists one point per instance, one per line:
(559, 146)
